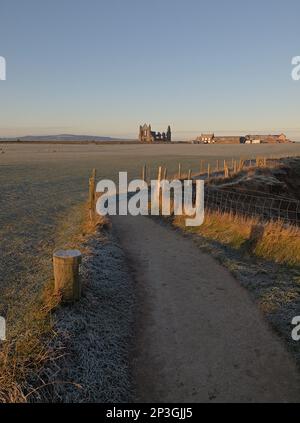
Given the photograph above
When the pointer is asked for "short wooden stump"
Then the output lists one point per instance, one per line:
(66, 264)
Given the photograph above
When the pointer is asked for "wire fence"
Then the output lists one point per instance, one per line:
(264, 206)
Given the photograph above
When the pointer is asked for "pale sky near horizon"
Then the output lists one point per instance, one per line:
(104, 67)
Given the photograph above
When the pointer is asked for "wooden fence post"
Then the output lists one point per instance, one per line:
(179, 171)
(92, 198)
(190, 175)
(165, 174)
(159, 176)
(234, 167)
(241, 165)
(144, 173)
(208, 171)
(218, 166)
(66, 274)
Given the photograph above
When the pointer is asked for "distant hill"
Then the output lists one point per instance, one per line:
(62, 137)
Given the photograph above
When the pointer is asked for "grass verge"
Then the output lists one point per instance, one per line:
(28, 346)
(274, 241)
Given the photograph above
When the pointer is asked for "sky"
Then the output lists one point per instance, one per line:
(103, 67)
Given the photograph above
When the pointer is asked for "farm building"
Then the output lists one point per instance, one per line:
(248, 139)
(206, 138)
(267, 139)
(212, 139)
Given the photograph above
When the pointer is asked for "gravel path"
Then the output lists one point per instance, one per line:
(199, 336)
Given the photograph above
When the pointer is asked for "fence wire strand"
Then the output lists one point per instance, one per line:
(264, 206)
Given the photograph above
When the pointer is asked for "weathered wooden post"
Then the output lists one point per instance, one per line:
(66, 274)
(159, 176)
(190, 175)
(144, 173)
(218, 166)
(226, 171)
(179, 171)
(92, 198)
(2, 329)
(235, 167)
(165, 174)
(241, 165)
(158, 193)
(208, 171)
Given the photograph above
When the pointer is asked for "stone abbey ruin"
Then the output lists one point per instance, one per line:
(146, 135)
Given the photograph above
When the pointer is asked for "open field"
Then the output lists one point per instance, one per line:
(43, 152)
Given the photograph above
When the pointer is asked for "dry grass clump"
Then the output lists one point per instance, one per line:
(23, 355)
(275, 240)
(227, 229)
(280, 243)
(276, 298)
(68, 238)
(27, 349)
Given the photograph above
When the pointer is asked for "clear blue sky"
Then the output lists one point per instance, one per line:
(103, 67)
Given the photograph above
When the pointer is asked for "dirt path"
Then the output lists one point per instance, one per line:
(200, 337)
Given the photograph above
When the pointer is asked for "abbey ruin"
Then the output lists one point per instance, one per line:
(146, 135)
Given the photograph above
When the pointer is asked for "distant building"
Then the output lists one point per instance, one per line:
(267, 139)
(146, 135)
(212, 139)
(206, 138)
(282, 138)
